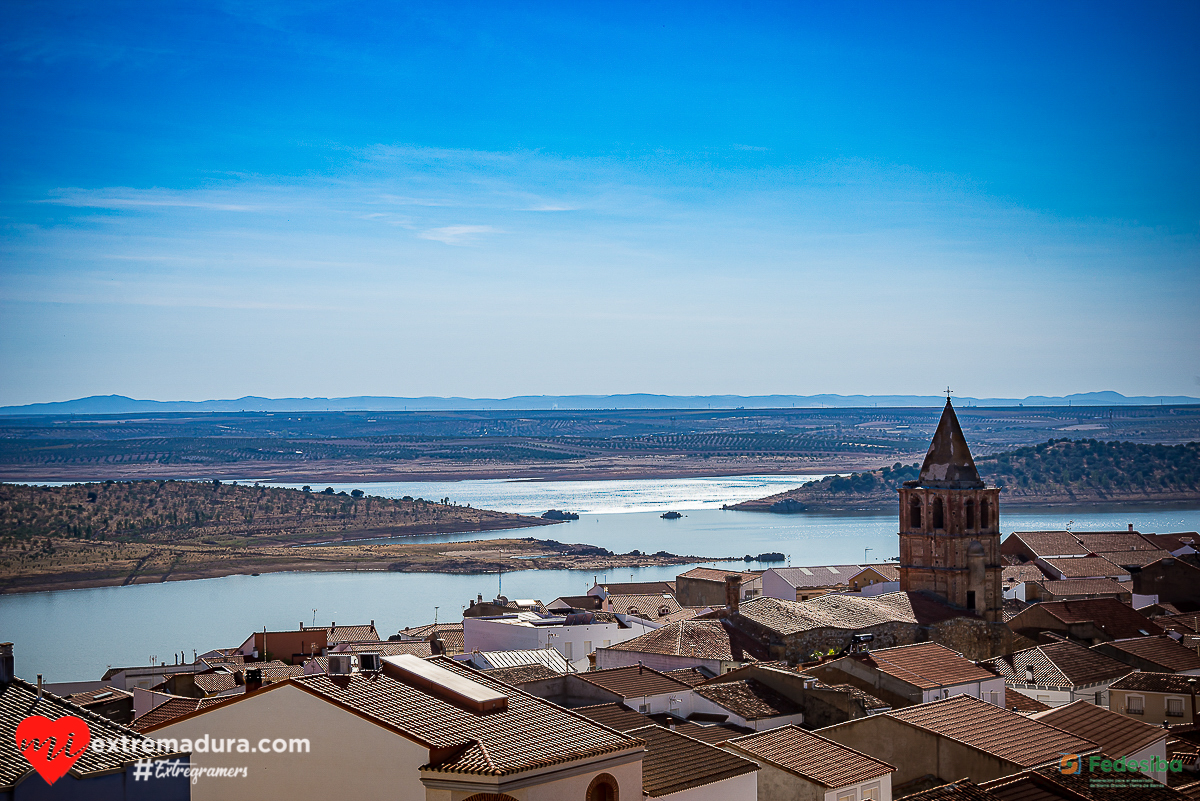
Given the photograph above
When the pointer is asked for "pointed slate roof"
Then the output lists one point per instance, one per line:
(948, 464)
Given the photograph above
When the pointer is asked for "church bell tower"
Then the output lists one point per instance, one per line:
(950, 527)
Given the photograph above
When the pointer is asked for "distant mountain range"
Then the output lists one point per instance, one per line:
(119, 404)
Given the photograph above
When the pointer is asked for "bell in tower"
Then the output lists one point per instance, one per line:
(950, 527)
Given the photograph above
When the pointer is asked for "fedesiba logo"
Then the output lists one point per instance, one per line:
(1073, 765)
(1070, 765)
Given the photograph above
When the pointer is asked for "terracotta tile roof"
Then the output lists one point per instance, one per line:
(1118, 735)
(640, 587)
(994, 730)
(690, 675)
(713, 735)
(1187, 620)
(1019, 702)
(1013, 607)
(175, 707)
(215, 683)
(675, 762)
(1134, 558)
(844, 612)
(1087, 567)
(1101, 541)
(1173, 542)
(1162, 651)
(339, 634)
(699, 639)
(530, 733)
(1147, 681)
(1059, 664)
(868, 701)
(1018, 574)
(234, 660)
(634, 681)
(421, 632)
(1050, 543)
(927, 665)
(419, 648)
(1051, 784)
(1085, 587)
(106, 695)
(817, 576)
(647, 607)
(710, 574)
(586, 603)
(888, 572)
(614, 716)
(686, 613)
(748, 698)
(961, 790)
(811, 756)
(522, 673)
(19, 700)
(272, 675)
(1112, 617)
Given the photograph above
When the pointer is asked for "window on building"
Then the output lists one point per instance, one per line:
(939, 513)
(871, 792)
(1174, 707)
(969, 512)
(1135, 705)
(607, 643)
(848, 795)
(970, 599)
(984, 514)
(914, 513)
(567, 649)
(644, 709)
(993, 698)
(603, 788)
(587, 646)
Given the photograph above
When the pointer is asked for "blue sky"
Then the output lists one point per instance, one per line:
(209, 200)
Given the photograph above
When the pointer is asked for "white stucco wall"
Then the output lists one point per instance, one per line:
(573, 642)
(983, 690)
(739, 788)
(774, 586)
(347, 757)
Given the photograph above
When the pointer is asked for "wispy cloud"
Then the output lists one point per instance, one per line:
(458, 234)
(118, 198)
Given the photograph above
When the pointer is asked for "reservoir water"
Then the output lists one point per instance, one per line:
(74, 635)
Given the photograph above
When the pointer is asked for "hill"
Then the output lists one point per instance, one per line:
(1056, 472)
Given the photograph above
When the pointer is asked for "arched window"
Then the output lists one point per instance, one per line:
(939, 514)
(969, 512)
(984, 514)
(914, 513)
(603, 788)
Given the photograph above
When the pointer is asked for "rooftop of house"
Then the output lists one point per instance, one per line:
(887, 572)
(647, 607)
(1087, 567)
(1102, 541)
(1051, 784)
(1046, 544)
(615, 716)
(637, 587)
(216, 683)
(1149, 681)
(1019, 702)
(421, 632)
(926, 665)
(1134, 559)
(749, 699)
(961, 790)
(1019, 574)
(811, 756)
(19, 699)
(844, 612)
(528, 733)
(420, 648)
(1013, 607)
(868, 701)
(547, 657)
(584, 602)
(235, 660)
(712, 574)
(690, 675)
(634, 681)
(1059, 664)
(675, 762)
(1090, 586)
(1173, 542)
(174, 707)
(996, 731)
(1162, 651)
(98, 697)
(1110, 615)
(818, 575)
(336, 634)
(1116, 734)
(519, 674)
(712, 734)
(699, 639)
(948, 463)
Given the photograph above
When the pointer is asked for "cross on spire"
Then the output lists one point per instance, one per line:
(948, 392)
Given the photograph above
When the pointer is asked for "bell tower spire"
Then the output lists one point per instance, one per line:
(950, 526)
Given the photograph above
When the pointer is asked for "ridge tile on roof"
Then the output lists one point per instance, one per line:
(927, 665)
(811, 756)
(1118, 735)
(633, 681)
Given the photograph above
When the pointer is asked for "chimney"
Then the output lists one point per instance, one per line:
(7, 666)
(254, 680)
(302, 625)
(733, 588)
(1131, 528)
(39, 686)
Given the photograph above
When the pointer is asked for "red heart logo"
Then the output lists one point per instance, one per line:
(52, 746)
